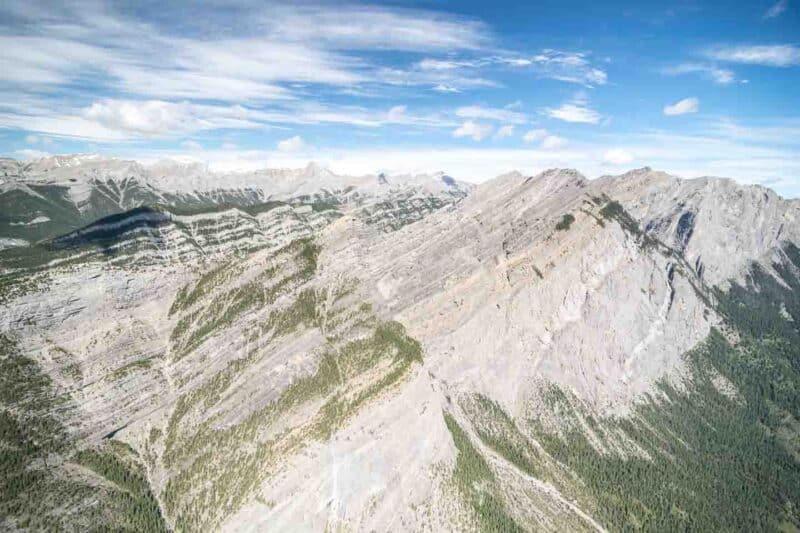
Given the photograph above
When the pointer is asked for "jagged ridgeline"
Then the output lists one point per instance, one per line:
(547, 353)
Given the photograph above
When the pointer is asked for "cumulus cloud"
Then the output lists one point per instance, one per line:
(683, 107)
(147, 118)
(292, 144)
(546, 140)
(617, 156)
(504, 132)
(575, 111)
(474, 130)
(776, 9)
(783, 55)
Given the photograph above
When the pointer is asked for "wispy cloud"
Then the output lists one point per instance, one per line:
(364, 27)
(570, 67)
(149, 79)
(683, 107)
(782, 55)
(718, 75)
(489, 113)
(776, 9)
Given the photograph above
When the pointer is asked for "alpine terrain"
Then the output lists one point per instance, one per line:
(295, 350)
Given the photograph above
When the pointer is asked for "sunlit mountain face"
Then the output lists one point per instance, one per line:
(384, 267)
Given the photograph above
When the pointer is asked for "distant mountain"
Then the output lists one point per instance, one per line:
(50, 196)
(295, 350)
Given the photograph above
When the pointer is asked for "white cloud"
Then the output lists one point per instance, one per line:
(750, 153)
(776, 9)
(443, 64)
(533, 136)
(504, 132)
(719, 75)
(553, 142)
(784, 55)
(192, 145)
(370, 27)
(228, 146)
(687, 105)
(617, 156)
(573, 67)
(271, 45)
(396, 113)
(28, 153)
(574, 112)
(545, 139)
(490, 113)
(445, 88)
(157, 118)
(292, 144)
(473, 130)
(147, 118)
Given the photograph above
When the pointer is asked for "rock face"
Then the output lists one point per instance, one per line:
(296, 350)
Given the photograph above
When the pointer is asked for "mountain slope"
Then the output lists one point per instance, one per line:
(542, 353)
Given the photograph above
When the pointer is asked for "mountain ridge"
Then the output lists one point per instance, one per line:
(524, 356)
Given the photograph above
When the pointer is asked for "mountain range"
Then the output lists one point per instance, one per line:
(294, 350)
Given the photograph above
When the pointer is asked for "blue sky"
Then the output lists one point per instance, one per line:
(475, 89)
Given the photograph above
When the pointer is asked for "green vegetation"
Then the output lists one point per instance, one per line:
(612, 210)
(28, 434)
(565, 222)
(211, 484)
(134, 366)
(477, 484)
(135, 507)
(359, 358)
(226, 306)
(40, 488)
(722, 455)
(499, 432)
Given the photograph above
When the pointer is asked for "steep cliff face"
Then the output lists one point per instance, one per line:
(399, 353)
